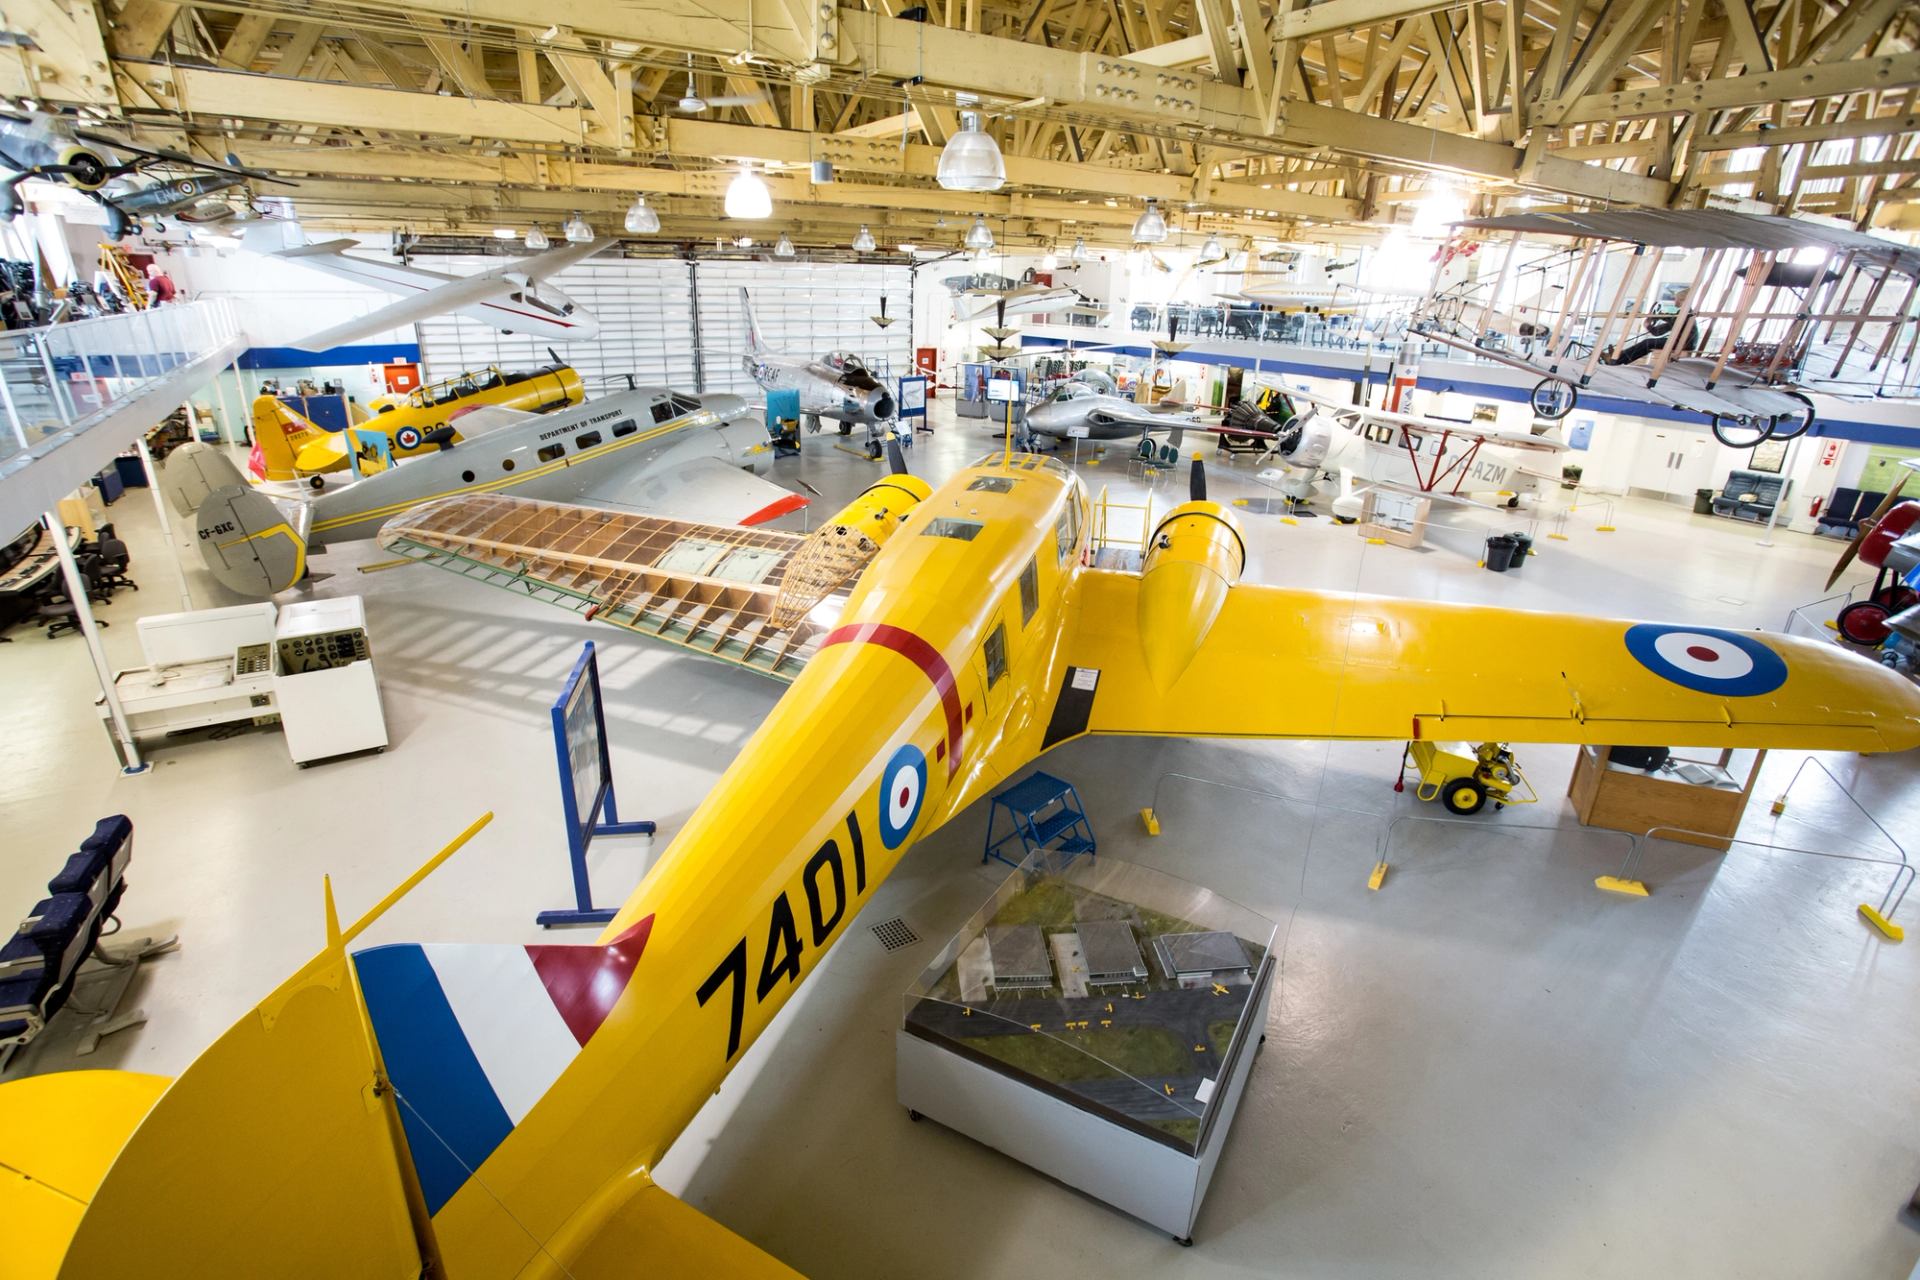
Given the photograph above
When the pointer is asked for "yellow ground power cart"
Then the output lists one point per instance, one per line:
(1464, 777)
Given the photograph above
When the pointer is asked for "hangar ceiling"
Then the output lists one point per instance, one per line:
(1282, 119)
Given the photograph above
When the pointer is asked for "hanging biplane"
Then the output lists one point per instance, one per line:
(1740, 318)
(487, 1112)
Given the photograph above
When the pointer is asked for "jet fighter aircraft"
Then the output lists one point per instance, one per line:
(511, 297)
(838, 385)
(483, 1112)
(673, 452)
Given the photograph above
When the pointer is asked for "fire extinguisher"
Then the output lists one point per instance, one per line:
(1813, 508)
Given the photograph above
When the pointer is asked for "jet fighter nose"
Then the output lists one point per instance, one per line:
(880, 404)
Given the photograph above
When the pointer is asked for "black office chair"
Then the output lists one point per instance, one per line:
(56, 607)
(114, 559)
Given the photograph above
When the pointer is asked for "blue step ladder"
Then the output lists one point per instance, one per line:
(1046, 814)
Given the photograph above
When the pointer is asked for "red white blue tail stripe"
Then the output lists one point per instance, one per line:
(473, 1036)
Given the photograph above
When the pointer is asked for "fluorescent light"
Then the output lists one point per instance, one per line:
(785, 248)
(578, 232)
(505, 233)
(971, 159)
(863, 243)
(908, 248)
(978, 236)
(641, 218)
(1150, 227)
(536, 238)
(744, 242)
(748, 197)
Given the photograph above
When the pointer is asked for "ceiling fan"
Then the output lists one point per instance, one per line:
(691, 103)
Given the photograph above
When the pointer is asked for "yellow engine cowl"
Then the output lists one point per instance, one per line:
(877, 512)
(1196, 554)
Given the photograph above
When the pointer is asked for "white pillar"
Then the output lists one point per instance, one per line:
(166, 524)
(122, 733)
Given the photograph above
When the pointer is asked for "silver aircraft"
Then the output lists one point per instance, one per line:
(838, 385)
(694, 457)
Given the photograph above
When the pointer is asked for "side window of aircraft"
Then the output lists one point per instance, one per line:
(947, 527)
(1029, 591)
(995, 652)
(686, 404)
(1063, 536)
(624, 427)
(587, 440)
(552, 451)
(506, 464)
(663, 411)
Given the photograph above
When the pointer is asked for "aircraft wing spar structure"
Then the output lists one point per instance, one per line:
(499, 1109)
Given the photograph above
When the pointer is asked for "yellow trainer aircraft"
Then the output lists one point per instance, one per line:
(290, 446)
(478, 1111)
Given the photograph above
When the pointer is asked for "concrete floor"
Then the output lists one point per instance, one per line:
(1488, 1068)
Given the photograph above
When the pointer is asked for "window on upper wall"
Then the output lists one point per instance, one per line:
(995, 652)
(551, 452)
(1029, 591)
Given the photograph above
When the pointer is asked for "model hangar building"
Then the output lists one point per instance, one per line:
(1248, 612)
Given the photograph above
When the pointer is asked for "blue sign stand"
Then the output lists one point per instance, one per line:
(913, 404)
(586, 786)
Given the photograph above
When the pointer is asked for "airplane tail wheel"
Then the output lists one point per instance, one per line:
(1791, 426)
(1864, 622)
(1464, 797)
(1553, 398)
(1737, 433)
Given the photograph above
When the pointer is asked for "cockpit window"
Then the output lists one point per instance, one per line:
(687, 404)
(662, 411)
(993, 484)
(959, 530)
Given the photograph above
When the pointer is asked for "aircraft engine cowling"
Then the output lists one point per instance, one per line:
(876, 513)
(1312, 440)
(1195, 555)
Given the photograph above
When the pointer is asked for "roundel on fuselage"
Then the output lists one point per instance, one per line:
(903, 785)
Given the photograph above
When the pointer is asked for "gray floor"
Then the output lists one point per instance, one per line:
(1487, 1068)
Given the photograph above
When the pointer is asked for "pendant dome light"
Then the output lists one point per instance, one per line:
(748, 197)
(784, 249)
(641, 218)
(1150, 227)
(1213, 250)
(577, 230)
(978, 236)
(863, 243)
(536, 238)
(1051, 262)
(1079, 253)
(971, 159)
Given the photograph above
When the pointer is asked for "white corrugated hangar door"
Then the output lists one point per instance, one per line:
(804, 309)
(645, 310)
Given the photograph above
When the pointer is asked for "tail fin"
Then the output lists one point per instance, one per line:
(192, 472)
(280, 434)
(249, 543)
(754, 342)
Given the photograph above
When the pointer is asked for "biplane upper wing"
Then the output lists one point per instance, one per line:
(758, 598)
(1368, 667)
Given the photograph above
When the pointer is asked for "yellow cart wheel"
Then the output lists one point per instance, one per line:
(1463, 796)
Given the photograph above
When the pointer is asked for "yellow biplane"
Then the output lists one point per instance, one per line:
(490, 1111)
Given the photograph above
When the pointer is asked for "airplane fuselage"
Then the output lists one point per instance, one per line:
(933, 674)
(1100, 417)
(824, 391)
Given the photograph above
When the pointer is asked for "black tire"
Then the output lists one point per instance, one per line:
(1463, 796)
(1783, 424)
(1864, 622)
(1735, 434)
(316, 482)
(1535, 400)
(846, 428)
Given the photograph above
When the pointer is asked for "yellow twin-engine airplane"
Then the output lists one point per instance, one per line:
(495, 1111)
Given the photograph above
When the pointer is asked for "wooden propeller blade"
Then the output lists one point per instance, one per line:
(1864, 528)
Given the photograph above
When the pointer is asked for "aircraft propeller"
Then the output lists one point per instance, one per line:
(1197, 482)
(1865, 527)
(896, 459)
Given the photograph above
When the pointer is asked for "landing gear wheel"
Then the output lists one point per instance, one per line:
(1864, 622)
(1739, 433)
(1553, 398)
(1896, 596)
(846, 428)
(316, 482)
(1791, 426)
(1463, 796)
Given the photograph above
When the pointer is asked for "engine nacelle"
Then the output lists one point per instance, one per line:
(1195, 555)
(1312, 441)
(876, 513)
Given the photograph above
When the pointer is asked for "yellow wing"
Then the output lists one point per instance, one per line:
(1305, 664)
(670, 1237)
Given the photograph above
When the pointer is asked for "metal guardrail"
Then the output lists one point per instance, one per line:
(60, 378)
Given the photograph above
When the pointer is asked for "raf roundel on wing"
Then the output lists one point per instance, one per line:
(1707, 660)
(903, 784)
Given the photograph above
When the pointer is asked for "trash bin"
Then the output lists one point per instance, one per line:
(1522, 545)
(1703, 502)
(1499, 553)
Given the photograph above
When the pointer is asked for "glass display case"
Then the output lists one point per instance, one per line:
(1096, 1020)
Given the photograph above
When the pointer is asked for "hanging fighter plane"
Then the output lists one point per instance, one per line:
(510, 297)
(838, 385)
(488, 1111)
(672, 452)
(39, 144)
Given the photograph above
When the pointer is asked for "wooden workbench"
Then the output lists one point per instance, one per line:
(1635, 801)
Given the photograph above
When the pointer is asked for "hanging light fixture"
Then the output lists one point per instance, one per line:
(1051, 262)
(536, 238)
(971, 159)
(748, 197)
(978, 236)
(863, 243)
(1213, 249)
(578, 232)
(1150, 227)
(1079, 253)
(641, 218)
(505, 233)
(784, 249)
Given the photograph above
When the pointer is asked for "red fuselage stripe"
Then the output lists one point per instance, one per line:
(920, 654)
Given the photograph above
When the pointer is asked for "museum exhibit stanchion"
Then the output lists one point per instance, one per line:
(586, 786)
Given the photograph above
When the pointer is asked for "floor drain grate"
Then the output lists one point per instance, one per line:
(894, 934)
